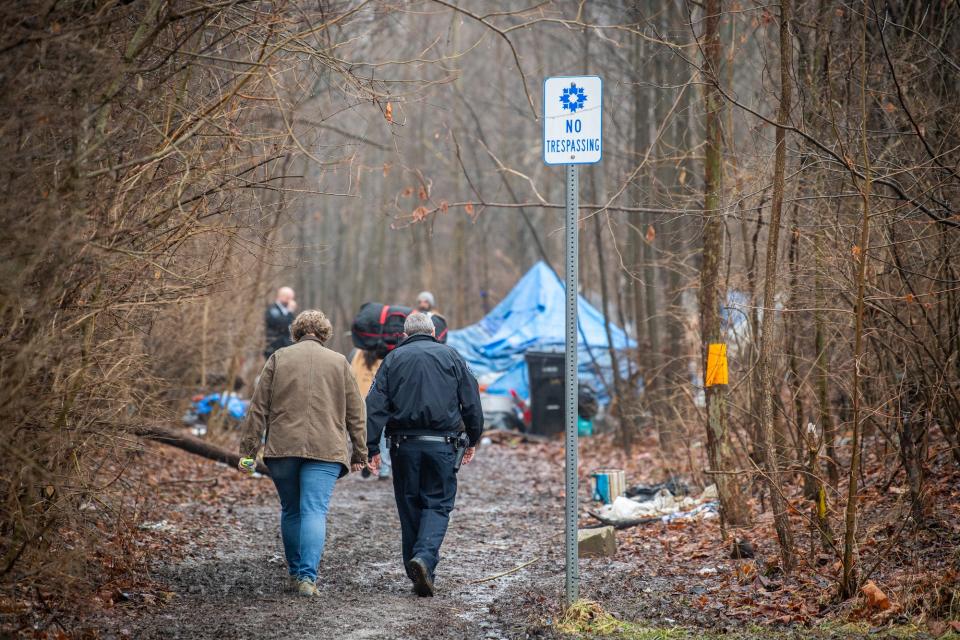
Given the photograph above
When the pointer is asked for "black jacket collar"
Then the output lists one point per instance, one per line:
(417, 337)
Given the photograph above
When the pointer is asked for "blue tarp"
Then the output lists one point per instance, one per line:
(532, 317)
(236, 407)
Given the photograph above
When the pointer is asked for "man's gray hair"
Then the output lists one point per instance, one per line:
(417, 323)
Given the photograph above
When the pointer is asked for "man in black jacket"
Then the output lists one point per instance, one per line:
(277, 321)
(423, 394)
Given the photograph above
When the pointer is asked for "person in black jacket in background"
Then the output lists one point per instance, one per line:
(278, 318)
(423, 395)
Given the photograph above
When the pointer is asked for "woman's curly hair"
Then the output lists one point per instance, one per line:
(313, 322)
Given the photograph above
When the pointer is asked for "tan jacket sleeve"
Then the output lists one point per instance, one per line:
(356, 417)
(258, 412)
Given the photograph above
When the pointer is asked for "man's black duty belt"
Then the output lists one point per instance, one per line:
(401, 437)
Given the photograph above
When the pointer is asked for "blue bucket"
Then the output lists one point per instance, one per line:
(608, 484)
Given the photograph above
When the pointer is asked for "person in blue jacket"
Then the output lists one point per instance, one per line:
(424, 396)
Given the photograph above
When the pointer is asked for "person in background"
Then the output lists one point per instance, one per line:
(425, 303)
(308, 406)
(364, 366)
(278, 318)
(422, 394)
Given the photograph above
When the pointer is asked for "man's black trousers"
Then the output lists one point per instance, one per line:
(425, 486)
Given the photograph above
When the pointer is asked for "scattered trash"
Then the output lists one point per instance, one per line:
(500, 412)
(584, 427)
(708, 571)
(625, 512)
(705, 511)
(709, 493)
(485, 441)
(648, 491)
(202, 406)
(608, 484)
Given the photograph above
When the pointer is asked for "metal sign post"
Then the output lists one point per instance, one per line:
(572, 128)
(572, 190)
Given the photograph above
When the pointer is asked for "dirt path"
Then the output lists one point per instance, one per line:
(231, 584)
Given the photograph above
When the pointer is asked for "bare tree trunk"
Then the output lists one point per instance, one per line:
(850, 580)
(764, 366)
(733, 507)
(823, 398)
(794, 347)
(641, 95)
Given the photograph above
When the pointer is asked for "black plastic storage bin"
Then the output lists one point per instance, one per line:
(545, 371)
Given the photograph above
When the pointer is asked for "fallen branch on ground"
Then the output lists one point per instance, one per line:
(505, 573)
(194, 445)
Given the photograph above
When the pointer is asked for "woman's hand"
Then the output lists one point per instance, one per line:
(468, 455)
(374, 464)
(356, 466)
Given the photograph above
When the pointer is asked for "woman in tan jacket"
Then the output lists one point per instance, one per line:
(307, 411)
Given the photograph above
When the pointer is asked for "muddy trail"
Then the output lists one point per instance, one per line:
(232, 580)
(501, 574)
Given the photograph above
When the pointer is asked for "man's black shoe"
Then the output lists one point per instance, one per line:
(422, 584)
(365, 472)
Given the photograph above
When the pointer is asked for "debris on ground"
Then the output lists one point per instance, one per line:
(597, 543)
(663, 505)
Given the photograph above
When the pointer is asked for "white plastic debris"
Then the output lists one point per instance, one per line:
(663, 505)
(709, 493)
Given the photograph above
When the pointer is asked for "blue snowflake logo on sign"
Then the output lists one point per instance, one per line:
(573, 98)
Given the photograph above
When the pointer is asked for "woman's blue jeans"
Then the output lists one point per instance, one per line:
(305, 487)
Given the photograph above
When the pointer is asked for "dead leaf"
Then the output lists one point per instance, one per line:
(422, 192)
(855, 251)
(444, 207)
(936, 628)
(889, 107)
(876, 599)
(388, 112)
(468, 208)
(406, 193)
(420, 214)
(651, 234)
(386, 169)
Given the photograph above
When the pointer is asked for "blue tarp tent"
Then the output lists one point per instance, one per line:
(532, 317)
